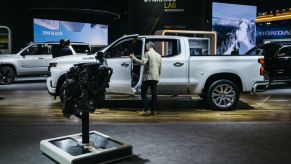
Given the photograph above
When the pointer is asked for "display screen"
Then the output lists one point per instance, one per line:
(53, 30)
(235, 26)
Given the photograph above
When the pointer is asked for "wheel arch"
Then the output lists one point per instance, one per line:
(61, 80)
(227, 76)
(11, 66)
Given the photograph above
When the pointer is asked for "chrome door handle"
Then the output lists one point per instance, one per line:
(124, 65)
(178, 64)
(40, 58)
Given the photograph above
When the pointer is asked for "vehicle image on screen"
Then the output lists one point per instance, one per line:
(277, 61)
(33, 60)
(187, 68)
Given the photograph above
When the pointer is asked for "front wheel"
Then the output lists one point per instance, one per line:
(7, 75)
(223, 95)
(62, 92)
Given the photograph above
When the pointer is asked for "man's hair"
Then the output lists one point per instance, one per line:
(150, 44)
(62, 41)
(67, 42)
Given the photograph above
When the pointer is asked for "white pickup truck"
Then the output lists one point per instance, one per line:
(187, 68)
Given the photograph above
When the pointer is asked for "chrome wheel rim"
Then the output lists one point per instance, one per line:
(223, 95)
(6, 76)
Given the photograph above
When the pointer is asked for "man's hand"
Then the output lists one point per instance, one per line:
(131, 55)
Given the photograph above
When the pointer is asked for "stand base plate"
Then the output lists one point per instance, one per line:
(70, 150)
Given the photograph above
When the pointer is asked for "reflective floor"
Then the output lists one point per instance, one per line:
(186, 130)
(30, 101)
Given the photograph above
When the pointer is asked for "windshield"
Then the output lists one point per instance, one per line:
(81, 48)
(95, 49)
(256, 51)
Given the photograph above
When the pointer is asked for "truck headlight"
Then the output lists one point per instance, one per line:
(53, 64)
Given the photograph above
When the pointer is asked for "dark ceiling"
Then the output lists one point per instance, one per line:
(263, 5)
(122, 5)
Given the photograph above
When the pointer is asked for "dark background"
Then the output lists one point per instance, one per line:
(135, 15)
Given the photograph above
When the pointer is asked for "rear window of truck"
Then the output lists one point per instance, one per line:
(199, 47)
(166, 47)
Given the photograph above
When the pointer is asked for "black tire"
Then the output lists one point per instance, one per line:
(62, 91)
(223, 95)
(7, 75)
(203, 96)
(268, 79)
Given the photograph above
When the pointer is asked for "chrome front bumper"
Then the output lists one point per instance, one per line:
(257, 84)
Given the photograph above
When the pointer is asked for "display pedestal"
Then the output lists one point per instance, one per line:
(88, 147)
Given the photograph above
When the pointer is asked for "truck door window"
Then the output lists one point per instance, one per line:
(39, 49)
(256, 51)
(283, 52)
(81, 48)
(166, 47)
(124, 48)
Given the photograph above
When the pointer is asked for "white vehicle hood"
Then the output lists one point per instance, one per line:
(8, 57)
(72, 59)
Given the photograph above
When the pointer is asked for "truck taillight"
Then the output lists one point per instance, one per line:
(262, 69)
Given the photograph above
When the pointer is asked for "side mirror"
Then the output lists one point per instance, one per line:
(100, 57)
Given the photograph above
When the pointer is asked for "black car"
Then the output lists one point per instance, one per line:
(277, 60)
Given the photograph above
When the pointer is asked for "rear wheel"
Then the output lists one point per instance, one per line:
(223, 95)
(7, 75)
(203, 96)
(267, 78)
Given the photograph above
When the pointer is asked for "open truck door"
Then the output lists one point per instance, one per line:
(117, 57)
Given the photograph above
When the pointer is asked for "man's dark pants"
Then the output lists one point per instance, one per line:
(144, 88)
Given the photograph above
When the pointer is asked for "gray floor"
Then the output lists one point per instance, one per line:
(199, 142)
(169, 143)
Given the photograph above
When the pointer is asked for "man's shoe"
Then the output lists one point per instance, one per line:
(144, 113)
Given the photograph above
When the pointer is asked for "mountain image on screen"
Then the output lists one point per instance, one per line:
(241, 38)
(236, 30)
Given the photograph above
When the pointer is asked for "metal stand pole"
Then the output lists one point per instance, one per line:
(85, 127)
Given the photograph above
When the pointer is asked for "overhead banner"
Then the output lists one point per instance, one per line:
(269, 32)
(235, 26)
(53, 30)
(148, 16)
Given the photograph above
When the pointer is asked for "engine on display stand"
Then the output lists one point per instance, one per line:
(85, 89)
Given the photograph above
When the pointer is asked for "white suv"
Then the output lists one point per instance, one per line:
(33, 60)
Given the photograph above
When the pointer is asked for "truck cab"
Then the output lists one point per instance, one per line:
(277, 60)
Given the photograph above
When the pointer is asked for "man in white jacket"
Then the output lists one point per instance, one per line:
(152, 69)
